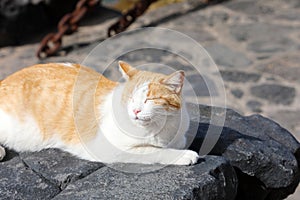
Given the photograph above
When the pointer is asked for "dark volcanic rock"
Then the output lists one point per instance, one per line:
(275, 93)
(212, 178)
(17, 181)
(263, 159)
(254, 158)
(59, 167)
(265, 155)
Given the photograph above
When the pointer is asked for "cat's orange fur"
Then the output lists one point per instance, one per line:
(63, 100)
(48, 93)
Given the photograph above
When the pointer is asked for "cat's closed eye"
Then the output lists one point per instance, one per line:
(158, 101)
(151, 99)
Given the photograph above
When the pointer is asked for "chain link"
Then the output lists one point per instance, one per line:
(67, 25)
(128, 18)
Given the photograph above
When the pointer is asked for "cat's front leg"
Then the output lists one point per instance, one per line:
(187, 157)
(2, 153)
(166, 156)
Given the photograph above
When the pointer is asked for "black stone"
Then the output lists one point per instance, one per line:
(266, 156)
(212, 178)
(59, 167)
(237, 93)
(239, 76)
(18, 181)
(255, 106)
(225, 56)
(277, 94)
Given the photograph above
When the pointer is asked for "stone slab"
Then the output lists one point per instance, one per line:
(212, 178)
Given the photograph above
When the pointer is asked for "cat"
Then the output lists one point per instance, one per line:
(76, 109)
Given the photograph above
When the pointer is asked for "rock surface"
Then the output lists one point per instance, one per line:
(212, 178)
(53, 174)
(18, 181)
(58, 167)
(258, 148)
(241, 166)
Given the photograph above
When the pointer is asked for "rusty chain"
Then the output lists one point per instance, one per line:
(67, 25)
(140, 7)
(129, 17)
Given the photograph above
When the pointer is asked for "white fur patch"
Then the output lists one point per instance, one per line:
(21, 136)
(24, 135)
(67, 64)
(121, 141)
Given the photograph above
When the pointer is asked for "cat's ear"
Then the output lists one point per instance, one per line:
(174, 81)
(127, 70)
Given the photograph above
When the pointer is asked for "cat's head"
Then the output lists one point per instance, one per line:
(151, 97)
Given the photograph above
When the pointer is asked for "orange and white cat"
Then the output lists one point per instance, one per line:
(76, 109)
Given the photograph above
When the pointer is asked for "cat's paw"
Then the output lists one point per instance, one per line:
(187, 157)
(2, 153)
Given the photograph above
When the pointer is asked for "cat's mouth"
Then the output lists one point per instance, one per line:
(142, 120)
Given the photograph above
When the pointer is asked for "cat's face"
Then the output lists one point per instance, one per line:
(150, 97)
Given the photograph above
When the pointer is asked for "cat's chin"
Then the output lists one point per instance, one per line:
(141, 122)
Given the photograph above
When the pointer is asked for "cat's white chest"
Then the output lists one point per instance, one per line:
(115, 142)
(111, 142)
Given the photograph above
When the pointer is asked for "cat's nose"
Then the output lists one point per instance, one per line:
(136, 111)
